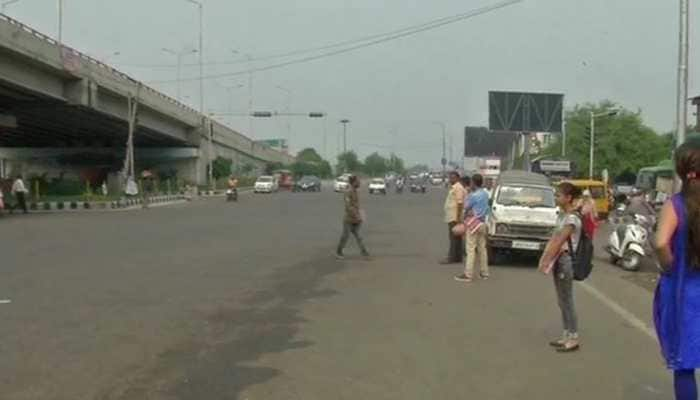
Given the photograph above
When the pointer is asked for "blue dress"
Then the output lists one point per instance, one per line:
(677, 302)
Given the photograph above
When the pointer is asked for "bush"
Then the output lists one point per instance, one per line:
(64, 187)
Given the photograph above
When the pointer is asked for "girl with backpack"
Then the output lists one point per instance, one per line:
(677, 298)
(557, 260)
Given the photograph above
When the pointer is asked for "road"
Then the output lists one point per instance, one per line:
(210, 300)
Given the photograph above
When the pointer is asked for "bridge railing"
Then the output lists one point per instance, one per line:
(91, 60)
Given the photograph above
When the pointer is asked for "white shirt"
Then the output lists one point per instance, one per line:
(18, 187)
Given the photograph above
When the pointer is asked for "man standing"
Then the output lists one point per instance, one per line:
(352, 220)
(20, 193)
(476, 210)
(454, 204)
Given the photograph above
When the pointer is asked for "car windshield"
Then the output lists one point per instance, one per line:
(378, 181)
(526, 196)
(308, 179)
(342, 179)
(265, 179)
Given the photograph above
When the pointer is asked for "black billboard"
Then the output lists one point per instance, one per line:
(526, 112)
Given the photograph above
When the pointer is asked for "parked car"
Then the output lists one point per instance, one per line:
(308, 183)
(377, 185)
(342, 183)
(266, 184)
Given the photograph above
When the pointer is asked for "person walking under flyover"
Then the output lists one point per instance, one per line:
(454, 204)
(677, 299)
(20, 192)
(353, 219)
(476, 210)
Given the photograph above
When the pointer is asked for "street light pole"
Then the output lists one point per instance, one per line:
(200, 7)
(443, 161)
(682, 105)
(289, 110)
(610, 113)
(60, 21)
(180, 55)
(345, 123)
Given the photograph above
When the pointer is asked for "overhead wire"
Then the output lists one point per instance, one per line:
(382, 39)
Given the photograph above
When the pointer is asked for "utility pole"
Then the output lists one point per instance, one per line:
(563, 140)
(60, 22)
(683, 50)
(345, 123)
(592, 147)
(200, 7)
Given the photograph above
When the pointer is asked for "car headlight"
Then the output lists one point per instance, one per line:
(502, 229)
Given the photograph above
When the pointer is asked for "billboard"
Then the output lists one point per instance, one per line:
(526, 112)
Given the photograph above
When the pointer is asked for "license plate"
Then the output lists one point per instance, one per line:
(526, 245)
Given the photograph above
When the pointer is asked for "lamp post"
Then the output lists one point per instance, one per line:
(609, 113)
(250, 88)
(289, 110)
(180, 55)
(7, 3)
(443, 161)
(345, 123)
(230, 90)
(200, 7)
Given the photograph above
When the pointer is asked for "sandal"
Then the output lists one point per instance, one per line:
(569, 346)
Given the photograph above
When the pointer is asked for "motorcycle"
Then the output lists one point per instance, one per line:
(399, 187)
(232, 195)
(630, 241)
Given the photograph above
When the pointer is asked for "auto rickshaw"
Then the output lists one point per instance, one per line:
(599, 193)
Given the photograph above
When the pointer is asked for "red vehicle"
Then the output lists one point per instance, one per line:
(285, 179)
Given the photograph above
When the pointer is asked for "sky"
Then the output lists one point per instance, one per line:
(395, 92)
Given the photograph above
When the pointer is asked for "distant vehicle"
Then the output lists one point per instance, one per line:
(284, 179)
(377, 186)
(342, 183)
(266, 184)
(308, 183)
(599, 193)
(523, 213)
(418, 186)
(657, 181)
(437, 179)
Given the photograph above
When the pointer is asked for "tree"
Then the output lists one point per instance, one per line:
(348, 162)
(221, 167)
(309, 162)
(623, 144)
(396, 164)
(375, 165)
(309, 155)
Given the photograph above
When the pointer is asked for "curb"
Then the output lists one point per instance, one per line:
(121, 204)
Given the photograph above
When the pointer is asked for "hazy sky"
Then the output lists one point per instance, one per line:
(622, 50)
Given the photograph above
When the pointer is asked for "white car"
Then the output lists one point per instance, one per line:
(265, 184)
(377, 185)
(342, 183)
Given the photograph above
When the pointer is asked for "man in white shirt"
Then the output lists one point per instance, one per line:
(20, 193)
(454, 203)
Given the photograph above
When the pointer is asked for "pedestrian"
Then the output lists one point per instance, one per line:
(557, 260)
(454, 204)
(476, 210)
(353, 219)
(20, 192)
(677, 299)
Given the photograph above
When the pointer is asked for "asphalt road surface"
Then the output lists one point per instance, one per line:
(211, 300)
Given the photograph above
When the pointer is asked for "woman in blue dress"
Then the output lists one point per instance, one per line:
(677, 299)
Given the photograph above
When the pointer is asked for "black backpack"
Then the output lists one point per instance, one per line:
(582, 257)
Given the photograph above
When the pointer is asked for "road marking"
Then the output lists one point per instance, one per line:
(619, 310)
(5, 301)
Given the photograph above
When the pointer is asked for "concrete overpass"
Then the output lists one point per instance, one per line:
(55, 100)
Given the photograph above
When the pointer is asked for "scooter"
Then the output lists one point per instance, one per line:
(232, 195)
(399, 188)
(629, 240)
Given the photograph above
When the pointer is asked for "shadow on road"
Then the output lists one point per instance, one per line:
(212, 364)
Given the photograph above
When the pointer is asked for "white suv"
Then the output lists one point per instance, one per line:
(377, 185)
(266, 184)
(342, 183)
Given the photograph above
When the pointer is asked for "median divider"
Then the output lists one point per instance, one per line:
(121, 204)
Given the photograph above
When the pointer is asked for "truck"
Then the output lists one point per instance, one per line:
(523, 214)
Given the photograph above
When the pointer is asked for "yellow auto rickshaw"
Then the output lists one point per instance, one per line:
(599, 193)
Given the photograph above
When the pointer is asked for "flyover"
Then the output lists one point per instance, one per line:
(55, 101)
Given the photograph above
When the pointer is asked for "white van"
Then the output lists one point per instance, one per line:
(523, 213)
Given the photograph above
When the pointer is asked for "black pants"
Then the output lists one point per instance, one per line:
(456, 252)
(349, 228)
(21, 201)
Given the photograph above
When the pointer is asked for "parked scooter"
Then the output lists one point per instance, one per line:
(232, 195)
(630, 241)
